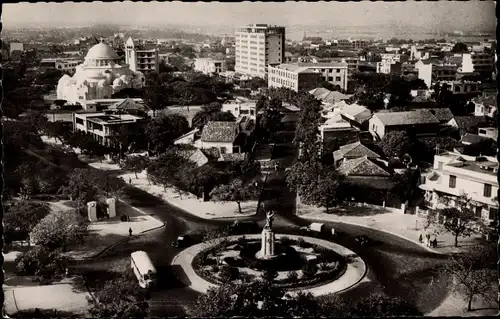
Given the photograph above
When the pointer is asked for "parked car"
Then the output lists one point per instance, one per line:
(363, 240)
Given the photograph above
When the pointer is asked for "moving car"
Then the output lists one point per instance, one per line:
(184, 241)
(363, 240)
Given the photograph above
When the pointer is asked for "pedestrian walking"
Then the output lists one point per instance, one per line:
(435, 242)
(130, 180)
(130, 232)
(421, 238)
(67, 272)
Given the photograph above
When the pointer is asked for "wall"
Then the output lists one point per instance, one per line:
(228, 146)
(379, 126)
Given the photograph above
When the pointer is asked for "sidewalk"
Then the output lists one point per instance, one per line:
(190, 203)
(107, 233)
(62, 296)
(403, 225)
(355, 272)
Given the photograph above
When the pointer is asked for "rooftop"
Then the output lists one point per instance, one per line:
(470, 121)
(362, 166)
(442, 114)
(354, 150)
(294, 68)
(219, 131)
(104, 118)
(406, 118)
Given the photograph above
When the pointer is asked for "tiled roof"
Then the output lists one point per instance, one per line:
(354, 150)
(470, 121)
(354, 110)
(362, 166)
(473, 138)
(219, 131)
(195, 156)
(127, 104)
(406, 118)
(442, 114)
(489, 99)
(235, 157)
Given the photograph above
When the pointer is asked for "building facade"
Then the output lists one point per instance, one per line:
(240, 107)
(258, 46)
(98, 77)
(463, 87)
(141, 59)
(210, 66)
(65, 65)
(454, 175)
(483, 63)
(103, 127)
(293, 77)
(431, 73)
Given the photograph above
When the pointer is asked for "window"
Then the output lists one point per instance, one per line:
(79, 121)
(338, 70)
(493, 214)
(453, 181)
(338, 78)
(330, 78)
(479, 211)
(487, 190)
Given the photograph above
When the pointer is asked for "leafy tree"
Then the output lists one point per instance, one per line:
(325, 189)
(400, 92)
(236, 191)
(405, 184)
(21, 217)
(60, 230)
(155, 98)
(82, 185)
(460, 220)
(269, 121)
(486, 147)
(58, 130)
(135, 164)
(49, 179)
(395, 144)
(164, 129)
(211, 112)
(42, 262)
(309, 269)
(460, 47)
(119, 298)
(377, 305)
(474, 272)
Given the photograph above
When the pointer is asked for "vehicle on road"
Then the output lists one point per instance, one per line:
(363, 240)
(185, 241)
(143, 268)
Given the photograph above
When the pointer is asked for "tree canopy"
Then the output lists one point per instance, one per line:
(21, 217)
(211, 112)
(164, 129)
(60, 230)
(236, 191)
(395, 144)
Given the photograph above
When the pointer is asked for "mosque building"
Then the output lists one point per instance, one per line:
(98, 77)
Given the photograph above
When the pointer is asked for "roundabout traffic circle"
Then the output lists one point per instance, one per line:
(336, 267)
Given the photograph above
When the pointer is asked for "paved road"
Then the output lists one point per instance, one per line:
(396, 267)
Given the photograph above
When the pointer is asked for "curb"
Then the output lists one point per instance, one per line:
(382, 230)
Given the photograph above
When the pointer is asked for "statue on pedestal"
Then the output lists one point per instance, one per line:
(269, 220)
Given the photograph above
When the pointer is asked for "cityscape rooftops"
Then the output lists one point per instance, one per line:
(406, 118)
(354, 150)
(442, 114)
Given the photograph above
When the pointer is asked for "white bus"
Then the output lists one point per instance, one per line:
(143, 268)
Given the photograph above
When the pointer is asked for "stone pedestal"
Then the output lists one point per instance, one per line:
(111, 207)
(92, 211)
(267, 244)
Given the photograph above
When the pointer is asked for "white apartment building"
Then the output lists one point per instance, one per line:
(257, 46)
(240, 107)
(102, 126)
(306, 76)
(478, 62)
(463, 87)
(209, 65)
(140, 59)
(454, 175)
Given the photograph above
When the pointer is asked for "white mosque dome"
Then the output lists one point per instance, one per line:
(101, 51)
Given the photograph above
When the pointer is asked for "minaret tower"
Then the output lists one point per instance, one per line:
(130, 54)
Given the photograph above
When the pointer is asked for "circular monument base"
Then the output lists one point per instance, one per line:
(260, 256)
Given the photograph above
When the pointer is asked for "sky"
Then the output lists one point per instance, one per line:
(449, 15)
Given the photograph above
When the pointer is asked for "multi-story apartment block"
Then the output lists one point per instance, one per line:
(300, 76)
(293, 76)
(141, 59)
(431, 73)
(454, 175)
(258, 46)
(386, 67)
(483, 63)
(352, 63)
(103, 127)
(65, 65)
(209, 65)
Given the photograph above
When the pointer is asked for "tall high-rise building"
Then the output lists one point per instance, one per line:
(257, 46)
